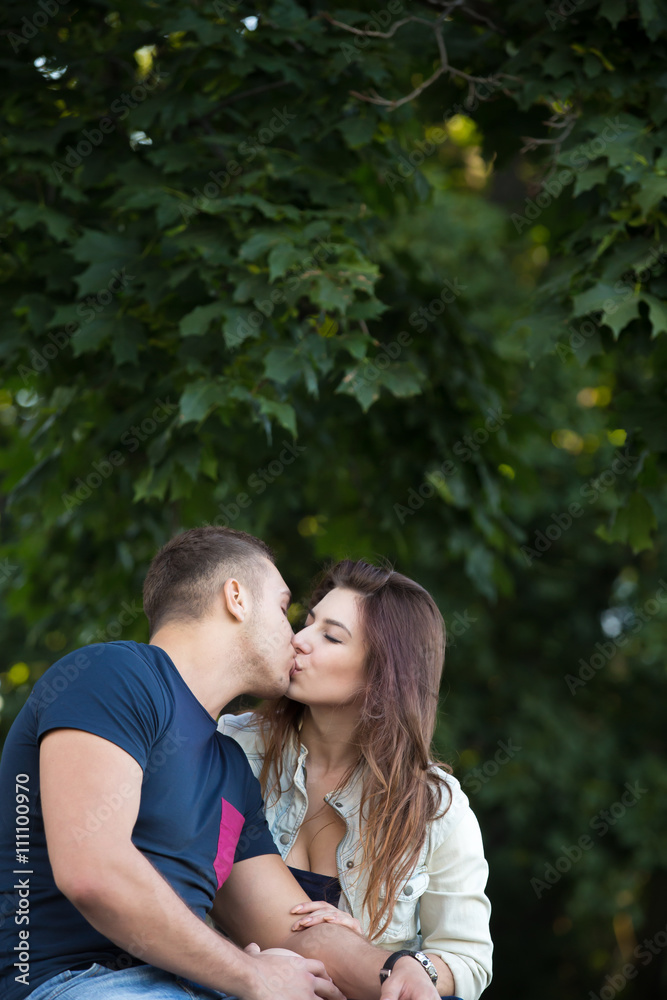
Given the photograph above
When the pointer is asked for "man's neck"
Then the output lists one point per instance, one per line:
(207, 664)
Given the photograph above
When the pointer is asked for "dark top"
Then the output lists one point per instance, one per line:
(324, 887)
(201, 808)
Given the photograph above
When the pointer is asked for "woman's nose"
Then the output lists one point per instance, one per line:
(300, 641)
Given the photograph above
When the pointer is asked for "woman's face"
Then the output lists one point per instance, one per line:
(330, 652)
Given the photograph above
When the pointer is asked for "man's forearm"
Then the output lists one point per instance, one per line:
(132, 905)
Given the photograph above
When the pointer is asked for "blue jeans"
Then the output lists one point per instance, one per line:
(125, 984)
(100, 983)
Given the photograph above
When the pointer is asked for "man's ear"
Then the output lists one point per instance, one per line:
(235, 598)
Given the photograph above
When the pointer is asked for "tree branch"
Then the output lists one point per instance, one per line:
(444, 67)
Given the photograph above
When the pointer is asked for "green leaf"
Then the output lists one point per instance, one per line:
(270, 210)
(282, 258)
(109, 258)
(632, 524)
(209, 466)
(365, 390)
(258, 244)
(651, 192)
(619, 317)
(197, 322)
(402, 379)
(38, 309)
(57, 224)
(239, 325)
(329, 295)
(589, 178)
(652, 18)
(320, 227)
(364, 382)
(95, 246)
(153, 482)
(126, 341)
(356, 343)
(281, 364)
(479, 568)
(367, 308)
(282, 412)
(613, 10)
(357, 131)
(188, 457)
(657, 313)
(199, 399)
(91, 336)
(595, 299)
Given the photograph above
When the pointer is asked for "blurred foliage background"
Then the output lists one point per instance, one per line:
(375, 281)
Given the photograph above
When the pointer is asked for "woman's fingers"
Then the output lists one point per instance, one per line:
(328, 915)
(312, 904)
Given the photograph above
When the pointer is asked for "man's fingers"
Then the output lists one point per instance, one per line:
(327, 990)
(316, 968)
(252, 949)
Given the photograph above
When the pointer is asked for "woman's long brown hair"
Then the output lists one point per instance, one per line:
(405, 638)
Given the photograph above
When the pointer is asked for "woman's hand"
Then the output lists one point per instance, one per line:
(318, 912)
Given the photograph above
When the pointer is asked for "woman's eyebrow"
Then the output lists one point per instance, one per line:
(331, 621)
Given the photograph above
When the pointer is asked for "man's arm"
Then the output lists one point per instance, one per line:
(254, 905)
(122, 895)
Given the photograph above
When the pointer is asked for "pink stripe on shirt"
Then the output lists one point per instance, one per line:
(231, 824)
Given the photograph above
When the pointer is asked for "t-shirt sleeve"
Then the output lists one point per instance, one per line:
(105, 689)
(255, 838)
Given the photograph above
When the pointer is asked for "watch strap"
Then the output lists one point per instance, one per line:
(420, 957)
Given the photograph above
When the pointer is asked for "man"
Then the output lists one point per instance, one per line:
(124, 811)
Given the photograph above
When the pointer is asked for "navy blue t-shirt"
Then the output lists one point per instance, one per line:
(201, 808)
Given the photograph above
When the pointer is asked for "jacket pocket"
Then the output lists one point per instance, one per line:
(404, 922)
(415, 886)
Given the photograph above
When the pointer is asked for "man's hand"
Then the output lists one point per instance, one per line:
(409, 981)
(284, 973)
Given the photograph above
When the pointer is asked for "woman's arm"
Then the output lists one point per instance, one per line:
(454, 910)
(254, 905)
(318, 912)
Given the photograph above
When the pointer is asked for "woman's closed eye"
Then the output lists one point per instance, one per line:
(331, 639)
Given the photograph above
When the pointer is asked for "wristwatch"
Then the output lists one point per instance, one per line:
(423, 959)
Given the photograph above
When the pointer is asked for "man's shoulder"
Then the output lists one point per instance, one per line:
(124, 652)
(90, 677)
(104, 661)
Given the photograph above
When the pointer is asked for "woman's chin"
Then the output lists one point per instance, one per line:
(293, 693)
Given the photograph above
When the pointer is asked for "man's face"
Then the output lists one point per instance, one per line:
(270, 636)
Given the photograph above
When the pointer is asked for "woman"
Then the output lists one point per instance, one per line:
(379, 837)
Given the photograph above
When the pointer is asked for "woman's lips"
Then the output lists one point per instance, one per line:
(295, 670)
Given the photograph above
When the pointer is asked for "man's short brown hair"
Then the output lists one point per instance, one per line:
(189, 571)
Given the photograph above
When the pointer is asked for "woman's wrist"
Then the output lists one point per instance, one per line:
(415, 956)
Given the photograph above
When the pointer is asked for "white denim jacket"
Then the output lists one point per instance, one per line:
(442, 908)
